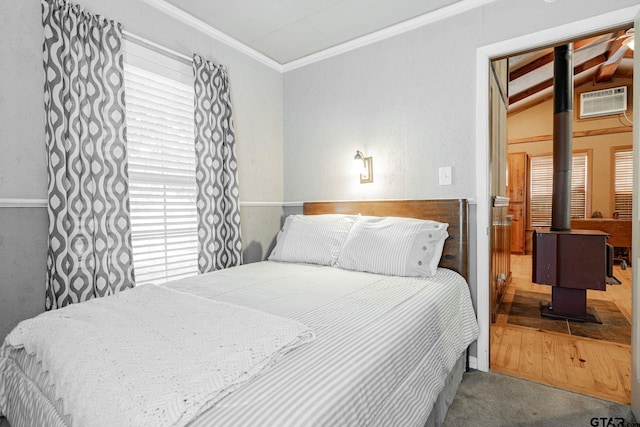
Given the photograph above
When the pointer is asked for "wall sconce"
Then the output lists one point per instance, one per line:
(365, 165)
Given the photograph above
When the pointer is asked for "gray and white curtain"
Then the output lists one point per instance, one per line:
(90, 252)
(219, 242)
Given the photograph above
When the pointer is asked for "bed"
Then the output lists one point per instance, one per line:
(364, 347)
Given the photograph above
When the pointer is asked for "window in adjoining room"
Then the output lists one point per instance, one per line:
(160, 130)
(541, 188)
(623, 181)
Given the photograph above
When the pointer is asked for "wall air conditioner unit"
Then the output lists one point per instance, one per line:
(603, 102)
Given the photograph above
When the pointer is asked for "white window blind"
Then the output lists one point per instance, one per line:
(541, 188)
(159, 108)
(623, 182)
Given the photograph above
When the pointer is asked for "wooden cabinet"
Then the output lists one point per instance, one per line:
(517, 192)
(517, 182)
(516, 210)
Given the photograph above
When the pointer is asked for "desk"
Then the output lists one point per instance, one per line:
(619, 231)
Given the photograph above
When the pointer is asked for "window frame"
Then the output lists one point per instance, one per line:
(614, 150)
(164, 241)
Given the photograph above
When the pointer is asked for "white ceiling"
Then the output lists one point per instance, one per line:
(287, 30)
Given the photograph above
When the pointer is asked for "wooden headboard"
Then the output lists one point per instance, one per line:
(453, 212)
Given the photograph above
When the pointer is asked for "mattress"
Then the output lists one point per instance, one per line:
(385, 347)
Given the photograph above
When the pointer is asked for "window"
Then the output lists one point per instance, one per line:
(623, 181)
(541, 188)
(159, 106)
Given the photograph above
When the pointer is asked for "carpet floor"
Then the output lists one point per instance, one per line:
(489, 399)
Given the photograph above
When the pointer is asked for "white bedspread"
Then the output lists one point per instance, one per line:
(383, 349)
(225, 346)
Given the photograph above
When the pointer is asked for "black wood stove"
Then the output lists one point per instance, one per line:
(570, 261)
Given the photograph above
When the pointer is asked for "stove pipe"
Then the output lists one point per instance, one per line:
(562, 137)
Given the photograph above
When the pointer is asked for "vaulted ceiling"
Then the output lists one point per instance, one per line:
(601, 59)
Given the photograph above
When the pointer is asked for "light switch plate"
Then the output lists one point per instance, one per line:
(444, 175)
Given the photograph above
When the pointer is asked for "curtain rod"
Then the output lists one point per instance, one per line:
(156, 47)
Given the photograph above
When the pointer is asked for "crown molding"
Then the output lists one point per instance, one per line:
(403, 27)
(394, 30)
(207, 29)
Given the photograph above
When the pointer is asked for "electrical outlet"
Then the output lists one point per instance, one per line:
(444, 175)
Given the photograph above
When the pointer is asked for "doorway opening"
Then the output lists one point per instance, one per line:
(592, 359)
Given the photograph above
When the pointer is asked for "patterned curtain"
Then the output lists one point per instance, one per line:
(89, 251)
(219, 242)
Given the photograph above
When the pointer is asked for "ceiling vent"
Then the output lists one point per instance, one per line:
(603, 102)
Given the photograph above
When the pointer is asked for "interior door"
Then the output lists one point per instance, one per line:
(635, 293)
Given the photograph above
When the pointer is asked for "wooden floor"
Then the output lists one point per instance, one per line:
(584, 365)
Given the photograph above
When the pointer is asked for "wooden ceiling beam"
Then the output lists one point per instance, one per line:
(548, 58)
(526, 105)
(530, 91)
(539, 99)
(615, 53)
(592, 41)
(593, 62)
(603, 67)
(531, 66)
(608, 69)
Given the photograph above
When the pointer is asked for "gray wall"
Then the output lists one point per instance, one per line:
(260, 224)
(23, 249)
(395, 100)
(409, 102)
(257, 97)
(23, 231)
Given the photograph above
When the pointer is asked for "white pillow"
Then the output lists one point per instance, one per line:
(312, 239)
(394, 246)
